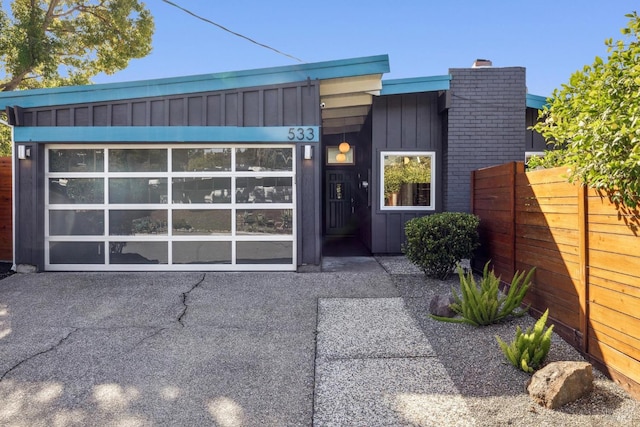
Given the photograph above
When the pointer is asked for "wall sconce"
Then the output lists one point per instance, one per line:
(308, 152)
(23, 152)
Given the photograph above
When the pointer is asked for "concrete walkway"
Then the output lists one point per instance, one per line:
(190, 349)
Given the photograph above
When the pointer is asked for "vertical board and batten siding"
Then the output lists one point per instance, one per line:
(284, 105)
(408, 122)
(6, 220)
(534, 141)
(585, 250)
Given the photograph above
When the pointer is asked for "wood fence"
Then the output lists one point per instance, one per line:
(586, 251)
(6, 236)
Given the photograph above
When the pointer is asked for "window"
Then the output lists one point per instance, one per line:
(199, 207)
(529, 154)
(407, 180)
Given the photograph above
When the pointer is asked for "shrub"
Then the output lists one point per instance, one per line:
(529, 349)
(485, 304)
(435, 243)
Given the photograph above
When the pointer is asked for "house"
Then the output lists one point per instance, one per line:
(251, 170)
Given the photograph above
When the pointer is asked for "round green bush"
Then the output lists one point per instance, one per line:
(436, 243)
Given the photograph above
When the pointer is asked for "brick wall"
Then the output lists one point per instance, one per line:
(486, 126)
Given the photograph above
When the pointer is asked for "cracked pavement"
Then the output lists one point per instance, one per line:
(151, 349)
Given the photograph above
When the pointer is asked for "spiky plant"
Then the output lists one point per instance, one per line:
(529, 349)
(484, 304)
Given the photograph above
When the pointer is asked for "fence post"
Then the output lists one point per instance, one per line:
(517, 168)
(583, 249)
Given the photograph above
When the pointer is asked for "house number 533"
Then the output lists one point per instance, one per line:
(301, 134)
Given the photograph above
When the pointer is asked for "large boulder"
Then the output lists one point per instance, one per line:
(440, 306)
(560, 383)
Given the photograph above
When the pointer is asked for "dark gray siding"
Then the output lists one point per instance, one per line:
(401, 122)
(29, 203)
(364, 198)
(534, 141)
(278, 105)
(486, 126)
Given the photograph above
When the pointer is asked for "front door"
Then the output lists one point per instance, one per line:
(339, 203)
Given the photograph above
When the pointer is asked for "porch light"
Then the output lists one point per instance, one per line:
(308, 152)
(24, 152)
(344, 147)
(341, 157)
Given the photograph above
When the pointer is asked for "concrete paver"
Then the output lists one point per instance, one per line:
(375, 367)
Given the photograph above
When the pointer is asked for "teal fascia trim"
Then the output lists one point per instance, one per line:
(194, 84)
(536, 101)
(168, 134)
(414, 85)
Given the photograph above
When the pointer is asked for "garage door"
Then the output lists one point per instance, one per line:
(160, 207)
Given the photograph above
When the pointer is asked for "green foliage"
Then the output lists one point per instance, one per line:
(405, 170)
(529, 349)
(551, 159)
(484, 304)
(51, 43)
(593, 120)
(435, 243)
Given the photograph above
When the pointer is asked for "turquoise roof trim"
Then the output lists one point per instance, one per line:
(536, 101)
(414, 85)
(193, 84)
(168, 134)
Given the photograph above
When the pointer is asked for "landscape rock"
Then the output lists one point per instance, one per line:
(440, 306)
(560, 383)
(26, 268)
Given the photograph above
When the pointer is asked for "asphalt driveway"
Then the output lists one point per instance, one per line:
(165, 348)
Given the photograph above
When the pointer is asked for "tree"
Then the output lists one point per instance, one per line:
(594, 120)
(50, 43)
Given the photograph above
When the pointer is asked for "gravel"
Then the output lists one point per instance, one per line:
(493, 391)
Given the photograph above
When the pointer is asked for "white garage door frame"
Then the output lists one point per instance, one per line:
(275, 235)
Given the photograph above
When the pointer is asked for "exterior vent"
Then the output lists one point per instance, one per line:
(481, 63)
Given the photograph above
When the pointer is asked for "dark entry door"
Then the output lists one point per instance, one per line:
(339, 203)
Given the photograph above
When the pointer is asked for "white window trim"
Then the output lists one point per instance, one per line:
(432, 202)
(529, 154)
(233, 237)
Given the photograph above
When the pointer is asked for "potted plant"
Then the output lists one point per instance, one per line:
(393, 178)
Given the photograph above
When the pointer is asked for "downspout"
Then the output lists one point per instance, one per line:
(13, 197)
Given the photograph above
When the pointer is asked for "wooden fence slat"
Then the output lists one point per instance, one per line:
(554, 189)
(600, 276)
(555, 235)
(614, 261)
(615, 359)
(613, 337)
(610, 242)
(547, 175)
(615, 300)
(620, 228)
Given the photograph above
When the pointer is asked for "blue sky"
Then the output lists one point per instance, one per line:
(552, 39)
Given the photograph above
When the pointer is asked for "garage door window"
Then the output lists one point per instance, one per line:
(200, 207)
